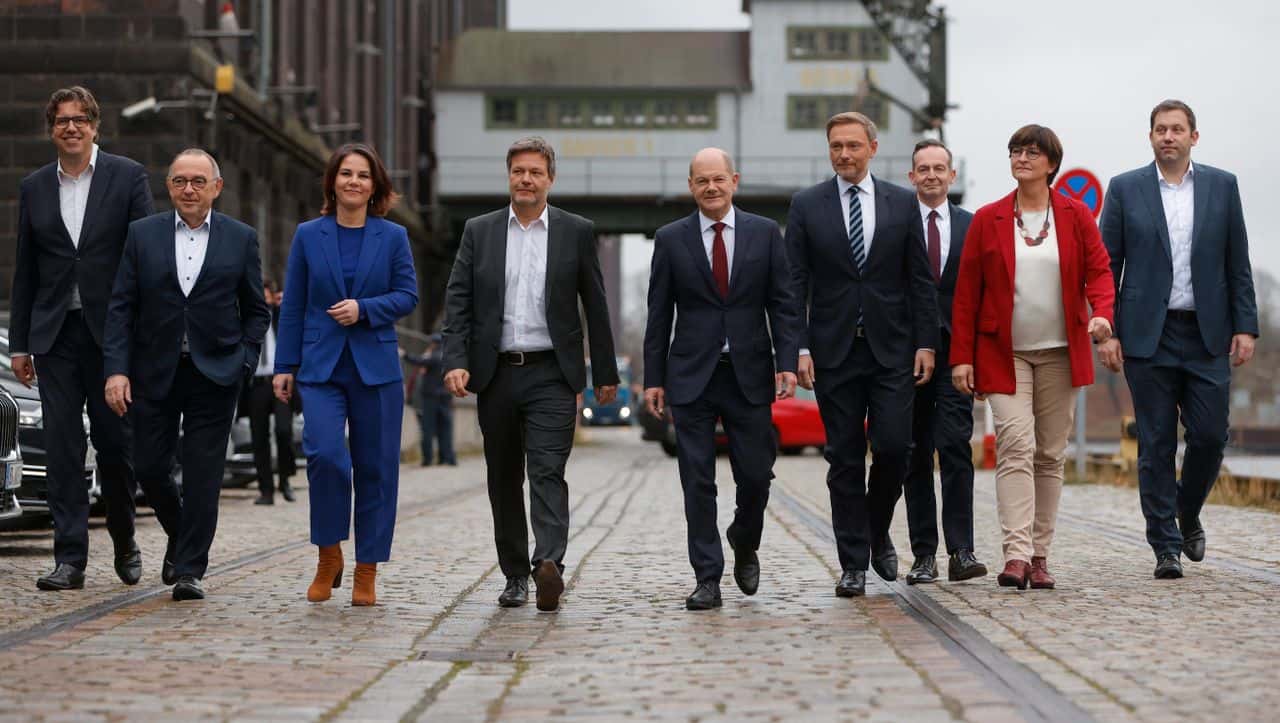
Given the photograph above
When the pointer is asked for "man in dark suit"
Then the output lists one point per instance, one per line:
(72, 219)
(184, 328)
(513, 336)
(1185, 312)
(858, 265)
(723, 274)
(433, 403)
(258, 402)
(942, 417)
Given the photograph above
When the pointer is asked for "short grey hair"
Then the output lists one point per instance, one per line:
(197, 152)
(728, 162)
(536, 144)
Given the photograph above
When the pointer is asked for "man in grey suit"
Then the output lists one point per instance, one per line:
(513, 336)
(1185, 313)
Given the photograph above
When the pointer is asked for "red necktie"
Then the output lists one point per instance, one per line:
(935, 247)
(720, 261)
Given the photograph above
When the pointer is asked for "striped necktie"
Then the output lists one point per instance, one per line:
(855, 231)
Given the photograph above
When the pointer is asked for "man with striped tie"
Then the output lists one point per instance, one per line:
(870, 326)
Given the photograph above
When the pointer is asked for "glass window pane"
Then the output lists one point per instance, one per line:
(568, 113)
(633, 113)
(535, 113)
(698, 112)
(504, 111)
(837, 43)
(602, 115)
(804, 43)
(664, 113)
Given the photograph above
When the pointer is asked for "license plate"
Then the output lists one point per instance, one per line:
(12, 475)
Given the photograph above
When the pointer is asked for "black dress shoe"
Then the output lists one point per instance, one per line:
(853, 583)
(286, 491)
(884, 559)
(129, 563)
(64, 577)
(746, 569)
(168, 575)
(705, 597)
(550, 586)
(516, 594)
(963, 565)
(1168, 567)
(925, 569)
(188, 588)
(1192, 540)
(264, 500)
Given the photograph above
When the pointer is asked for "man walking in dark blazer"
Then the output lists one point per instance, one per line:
(513, 336)
(258, 402)
(858, 265)
(184, 328)
(1185, 314)
(722, 274)
(942, 417)
(72, 219)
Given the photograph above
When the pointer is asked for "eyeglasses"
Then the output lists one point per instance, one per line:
(180, 182)
(63, 121)
(1031, 152)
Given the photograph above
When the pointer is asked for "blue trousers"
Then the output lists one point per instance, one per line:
(371, 467)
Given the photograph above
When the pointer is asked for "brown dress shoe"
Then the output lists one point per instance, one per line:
(1040, 577)
(328, 574)
(362, 589)
(1016, 574)
(550, 586)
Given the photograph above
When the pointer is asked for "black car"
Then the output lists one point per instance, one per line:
(10, 457)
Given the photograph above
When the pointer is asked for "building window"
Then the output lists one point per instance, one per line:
(804, 43)
(502, 112)
(568, 114)
(602, 115)
(634, 114)
(812, 111)
(803, 113)
(603, 112)
(698, 113)
(535, 113)
(836, 43)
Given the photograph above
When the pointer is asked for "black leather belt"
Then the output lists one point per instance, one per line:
(1182, 314)
(524, 358)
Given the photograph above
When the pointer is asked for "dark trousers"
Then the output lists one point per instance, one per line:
(435, 422)
(749, 428)
(861, 505)
(263, 408)
(205, 410)
(370, 468)
(942, 420)
(1181, 380)
(527, 416)
(71, 375)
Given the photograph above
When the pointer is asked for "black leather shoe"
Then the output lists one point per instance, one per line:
(853, 583)
(705, 597)
(964, 566)
(286, 491)
(884, 559)
(746, 569)
(1168, 567)
(64, 577)
(1192, 540)
(550, 586)
(188, 588)
(168, 575)
(925, 569)
(264, 500)
(129, 563)
(516, 594)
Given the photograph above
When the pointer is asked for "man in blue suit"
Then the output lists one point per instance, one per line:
(858, 264)
(942, 419)
(724, 274)
(1185, 313)
(183, 331)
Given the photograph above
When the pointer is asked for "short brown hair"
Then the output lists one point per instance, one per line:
(852, 116)
(931, 143)
(384, 195)
(77, 93)
(1172, 104)
(1044, 139)
(537, 144)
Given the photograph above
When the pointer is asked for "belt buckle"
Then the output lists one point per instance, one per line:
(859, 332)
(516, 354)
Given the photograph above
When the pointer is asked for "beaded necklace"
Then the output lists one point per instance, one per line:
(1022, 231)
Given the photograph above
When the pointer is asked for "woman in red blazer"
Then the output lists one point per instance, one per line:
(1021, 331)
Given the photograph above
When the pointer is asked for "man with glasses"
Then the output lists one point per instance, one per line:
(73, 215)
(184, 329)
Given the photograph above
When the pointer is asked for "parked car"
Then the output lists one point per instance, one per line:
(240, 471)
(796, 425)
(10, 457)
(616, 413)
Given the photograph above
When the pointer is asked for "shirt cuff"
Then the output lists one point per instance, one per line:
(16, 354)
(927, 349)
(804, 352)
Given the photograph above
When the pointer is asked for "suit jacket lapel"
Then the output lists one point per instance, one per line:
(882, 216)
(831, 199)
(557, 245)
(1151, 194)
(948, 277)
(214, 248)
(1202, 192)
(169, 252)
(1004, 234)
(693, 242)
(369, 246)
(741, 239)
(97, 189)
(53, 190)
(497, 255)
(329, 245)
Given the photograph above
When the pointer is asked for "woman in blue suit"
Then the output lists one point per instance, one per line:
(350, 277)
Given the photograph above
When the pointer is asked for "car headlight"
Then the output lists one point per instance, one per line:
(30, 413)
(625, 412)
(587, 413)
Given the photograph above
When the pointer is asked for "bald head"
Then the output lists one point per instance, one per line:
(716, 159)
(713, 181)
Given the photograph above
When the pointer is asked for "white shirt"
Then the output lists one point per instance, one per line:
(708, 243)
(524, 306)
(267, 360)
(867, 198)
(190, 246)
(944, 229)
(73, 196)
(1179, 214)
(1038, 318)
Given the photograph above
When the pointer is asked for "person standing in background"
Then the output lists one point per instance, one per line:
(263, 409)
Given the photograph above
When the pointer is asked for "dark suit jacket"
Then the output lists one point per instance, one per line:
(478, 287)
(960, 219)
(224, 318)
(896, 298)
(48, 262)
(680, 282)
(1137, 237)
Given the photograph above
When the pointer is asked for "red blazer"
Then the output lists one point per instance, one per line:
(982, 315)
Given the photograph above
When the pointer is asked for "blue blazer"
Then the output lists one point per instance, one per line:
(680, 283)
(1137, 237)
(310, 341)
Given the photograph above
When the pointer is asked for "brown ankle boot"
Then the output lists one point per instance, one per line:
(362, 589)
(1040, 577)
(328, 574)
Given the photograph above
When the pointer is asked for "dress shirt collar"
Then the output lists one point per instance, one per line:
(705, 223)
(512, 217)
(179, 224)
(93, 163)
(1191, 171)
(867, 185)
(944, 211)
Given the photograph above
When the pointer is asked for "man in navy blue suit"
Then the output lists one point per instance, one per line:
(858, 264)
(73, 215)
(1185, 313)
(723, 274)
(184, 328)
(942, 420)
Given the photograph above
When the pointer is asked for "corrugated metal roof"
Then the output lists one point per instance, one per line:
(487, 59)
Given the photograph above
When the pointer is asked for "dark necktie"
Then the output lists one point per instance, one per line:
(720, 261)
(935, 247)
(856, 246)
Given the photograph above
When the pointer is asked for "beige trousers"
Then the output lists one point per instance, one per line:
(1032, 426)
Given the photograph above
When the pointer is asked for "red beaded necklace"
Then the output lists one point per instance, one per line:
(1022, 231)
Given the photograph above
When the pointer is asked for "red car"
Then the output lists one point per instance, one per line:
(796, 425)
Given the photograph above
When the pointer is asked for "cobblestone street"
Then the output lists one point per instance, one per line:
(1109, 644)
